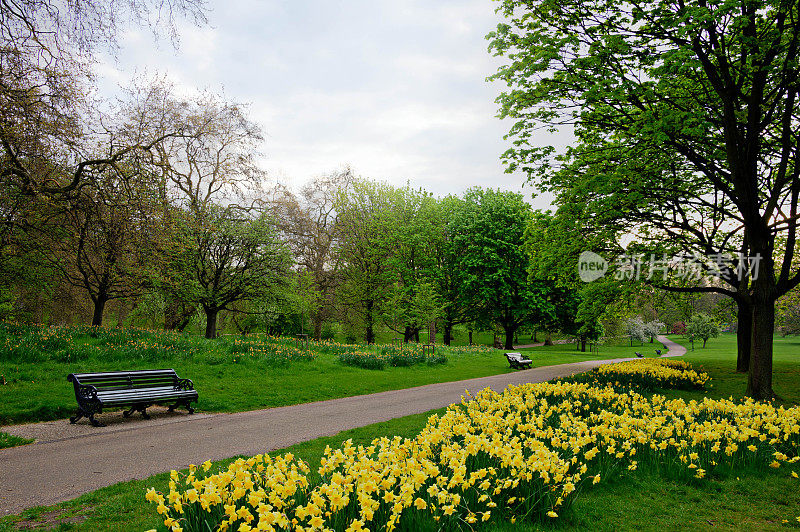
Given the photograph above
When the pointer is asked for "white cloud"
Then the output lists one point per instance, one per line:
(199, 45)
(396, 89)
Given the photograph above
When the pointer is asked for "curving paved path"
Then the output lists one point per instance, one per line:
(675, 350)
(64, 467)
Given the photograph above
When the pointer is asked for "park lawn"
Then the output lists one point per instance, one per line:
(718, 358)
(39, 390)
(614, 349)
(633, 501)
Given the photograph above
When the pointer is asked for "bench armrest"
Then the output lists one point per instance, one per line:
(86, 392)
(184, 384)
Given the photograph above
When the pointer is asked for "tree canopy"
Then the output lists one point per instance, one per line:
(686, 120)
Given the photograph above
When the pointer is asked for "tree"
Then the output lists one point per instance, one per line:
(489, 232)
(213, 161)
(423, 309)
(553, 248)
(686, 118)
(228, 256)
(635, 329)
(48, 120)
(416, 227)
(309, 222)
(703, 327)
(652, 329)
(457, 306)
(788, 313)
(366, 217)
(102, 241)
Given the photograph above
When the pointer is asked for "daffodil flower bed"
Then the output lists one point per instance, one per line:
(62, 343)
(271, 352)
(523, 454)
(649, 373)
(391, 355)
(364, 359)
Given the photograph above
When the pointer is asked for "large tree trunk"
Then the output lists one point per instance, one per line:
(583, 344)
(510, 337)
(447, 333)
(548, 340)
(171, 313)
(317, 320)
(744, 333)
(759, 382)
(211, 322)
(99, 305)
(408, 334)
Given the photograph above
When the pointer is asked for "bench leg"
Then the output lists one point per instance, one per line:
(79, 414)
(94, 422)
(137, 408)
(187, 404)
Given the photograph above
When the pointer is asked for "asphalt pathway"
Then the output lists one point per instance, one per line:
(63, 468)
(675, 350)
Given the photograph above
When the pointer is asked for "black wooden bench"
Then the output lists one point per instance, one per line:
(134, 389)
(516, 361)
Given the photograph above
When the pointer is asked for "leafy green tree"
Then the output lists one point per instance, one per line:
(101, 241)
(227, 257)
(457, 306)
(414, 234)
(685, 116)
(489, 232)
(702, 327)
(789, 313)
(553, 247)
(367, 221)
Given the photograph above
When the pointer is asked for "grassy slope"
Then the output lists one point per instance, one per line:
(39, 391)
(633, 502)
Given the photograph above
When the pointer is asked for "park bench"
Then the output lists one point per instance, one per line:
(638, 354)
(134, 389)
(516, 361)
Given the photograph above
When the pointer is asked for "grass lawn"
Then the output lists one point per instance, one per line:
(633, 501)
(718, 358)
(37, 389)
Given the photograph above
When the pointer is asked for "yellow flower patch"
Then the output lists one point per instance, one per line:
(520, 454)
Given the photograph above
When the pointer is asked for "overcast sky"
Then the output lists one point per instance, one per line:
(395, 89)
